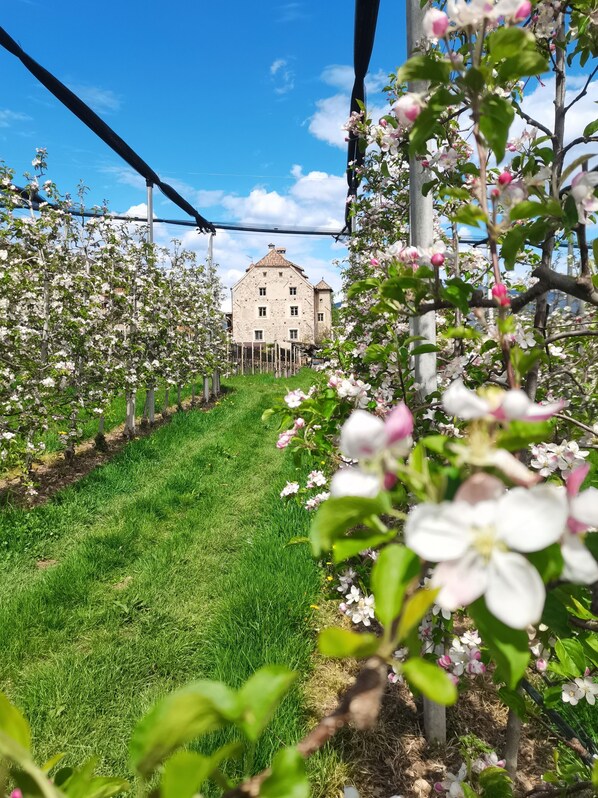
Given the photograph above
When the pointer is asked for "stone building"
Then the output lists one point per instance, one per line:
(274, 302)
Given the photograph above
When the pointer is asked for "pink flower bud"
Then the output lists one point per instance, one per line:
(495, 193)
(374, 261)
(500, 293)
(390, 480)
(505, 178)
(445, 661)
(398, 424)
(435, 23)
(541, 665)
(383, 122)
(437, 259)
(299, 423)
(16, 794)
(523, 11)
(407, 108)
(425, 163)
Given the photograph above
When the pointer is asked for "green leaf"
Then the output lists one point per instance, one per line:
(359, 541)
(507, 42)
(260, 696)
(195, 709)
(82, 783)
(424, 349)
(335, 516)
(430, 680)
(496, 783)
(470, 215)
(590, 129)
(458, 293)
(339, 643)
(423, 67)
(520, 434)
(183, 775)
(527, 63)
(526, 210)
(548, 562)
(394, 569)
(415, 609)
(288, 778)
(508, 647)
(496, 117)
(571, 656)
(13, 724)
(512, 245)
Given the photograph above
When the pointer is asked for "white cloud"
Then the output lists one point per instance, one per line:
(125, 175)
(331, 113)
(538, 105)
(9, 118)
(291, 12)
(101, 100)
(282, 75)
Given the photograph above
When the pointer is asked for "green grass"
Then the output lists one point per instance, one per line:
(190, 518)
(116, 413)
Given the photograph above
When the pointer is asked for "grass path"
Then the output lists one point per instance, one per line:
(170, 565)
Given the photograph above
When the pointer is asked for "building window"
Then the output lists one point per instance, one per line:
(261, 311)
(293, 291)
(320, 317)
(280, 274)
(265, 274)
(262, 292)
(294, 310)
(293, 335)
(259, 335)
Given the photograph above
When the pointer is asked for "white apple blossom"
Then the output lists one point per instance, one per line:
(477, 547)
(290, 489)
(495, 404)
(583, 187)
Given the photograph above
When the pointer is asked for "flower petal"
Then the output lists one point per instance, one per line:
(398, 424)
(461, 402)
(354, 482)
(530, 520)
(580, 566)
(515, 593)
(576, 478)
(461, 581)
(362, 435)
(584, 507)
(542, 412)
(513, 468)
(439, 532)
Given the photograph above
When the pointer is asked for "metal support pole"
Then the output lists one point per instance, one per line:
(206, 389)
(421, 221)
(421, 227)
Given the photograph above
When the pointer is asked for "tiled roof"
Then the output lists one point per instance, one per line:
(323, 286)
(275, 257)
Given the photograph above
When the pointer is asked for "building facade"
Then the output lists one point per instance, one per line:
(274, 302)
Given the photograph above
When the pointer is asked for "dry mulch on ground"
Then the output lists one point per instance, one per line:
(394, 757)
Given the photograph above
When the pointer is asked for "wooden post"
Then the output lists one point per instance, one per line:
(252, 357)
(242, 358)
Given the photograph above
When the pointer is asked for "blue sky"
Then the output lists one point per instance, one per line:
(238, 105)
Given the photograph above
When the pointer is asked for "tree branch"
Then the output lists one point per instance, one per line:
(574, 334)
(579, 287)
(531, 121)
(584, 91)
(359, 705)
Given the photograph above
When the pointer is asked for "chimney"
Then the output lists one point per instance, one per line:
(271, 246)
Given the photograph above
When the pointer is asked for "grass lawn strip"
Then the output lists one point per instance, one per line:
(170, 565)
